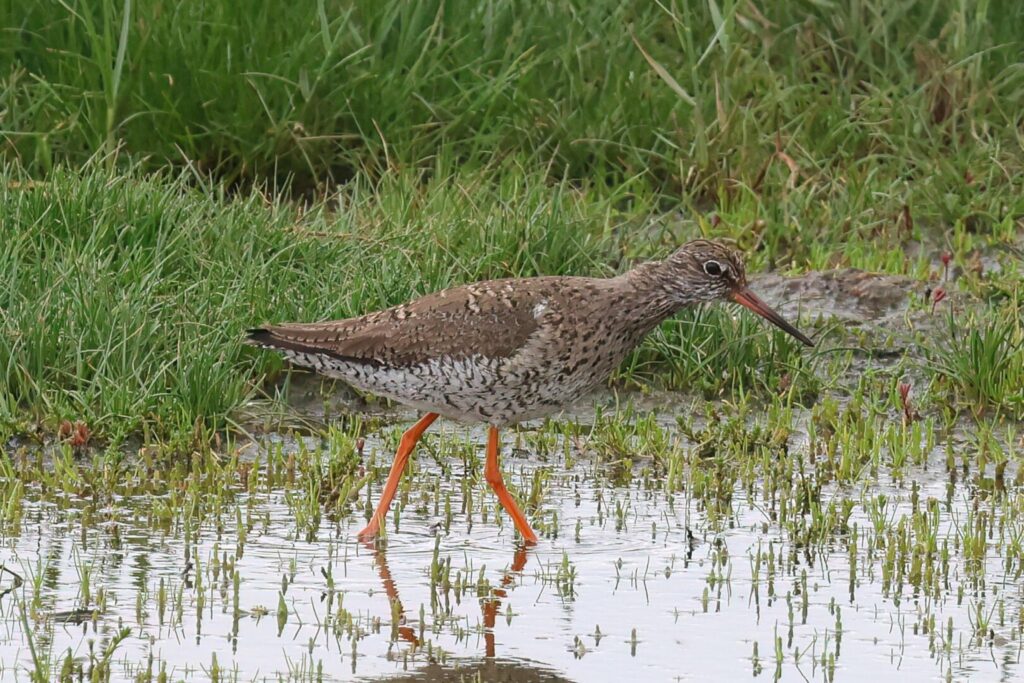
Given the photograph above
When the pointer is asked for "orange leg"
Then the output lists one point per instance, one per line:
(405, 446)
(492, 473)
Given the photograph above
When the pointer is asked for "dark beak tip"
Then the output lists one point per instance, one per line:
(747, 298)
(803, 339)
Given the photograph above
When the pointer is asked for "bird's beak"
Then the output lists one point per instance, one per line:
(747, 298)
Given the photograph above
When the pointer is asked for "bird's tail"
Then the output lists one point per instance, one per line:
(261, 337)
(269, 338)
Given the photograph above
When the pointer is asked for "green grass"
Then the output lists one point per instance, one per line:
(983, 362)
(323, 93)
(144, 224)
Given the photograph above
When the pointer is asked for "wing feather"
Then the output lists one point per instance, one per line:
(492, 319)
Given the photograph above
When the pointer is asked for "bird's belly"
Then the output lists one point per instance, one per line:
(461, 389)
(476, 389)
(525, 394)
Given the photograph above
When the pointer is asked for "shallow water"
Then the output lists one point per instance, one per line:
(637, 582)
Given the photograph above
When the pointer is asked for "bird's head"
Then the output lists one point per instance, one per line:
(706, 271)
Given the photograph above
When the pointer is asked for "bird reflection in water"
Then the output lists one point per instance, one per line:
(490, 604)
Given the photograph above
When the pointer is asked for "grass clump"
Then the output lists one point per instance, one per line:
(982, 361)
(715, 350)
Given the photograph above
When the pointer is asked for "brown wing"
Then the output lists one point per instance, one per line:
(492, 319)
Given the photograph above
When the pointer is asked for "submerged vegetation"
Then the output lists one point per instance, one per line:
(175, 173)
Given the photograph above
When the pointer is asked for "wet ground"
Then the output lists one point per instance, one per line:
(731, 544)
(629, 580)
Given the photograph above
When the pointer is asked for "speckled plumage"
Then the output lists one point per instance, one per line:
(503, 351)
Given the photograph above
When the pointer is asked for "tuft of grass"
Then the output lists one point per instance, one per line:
(983, 360)
(711, 350)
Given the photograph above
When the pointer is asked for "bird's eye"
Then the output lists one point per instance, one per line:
(713, 268)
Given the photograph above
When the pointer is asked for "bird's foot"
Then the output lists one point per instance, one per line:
(369, 534)
(529, 536)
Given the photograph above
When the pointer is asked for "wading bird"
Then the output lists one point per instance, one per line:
(503, 351)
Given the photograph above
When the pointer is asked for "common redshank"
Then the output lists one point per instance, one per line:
(503, 351)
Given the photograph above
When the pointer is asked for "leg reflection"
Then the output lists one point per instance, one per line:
(399, 628)
(490, 604)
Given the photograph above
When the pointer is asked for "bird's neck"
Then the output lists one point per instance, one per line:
(653, 294)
